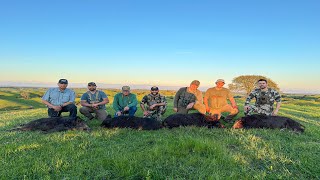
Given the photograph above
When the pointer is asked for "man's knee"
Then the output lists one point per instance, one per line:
(182, 110)
(84, 110)
(162, 109)
(71, 107)
(53, 113)
(133, 109)
(202, 110)
(101, 115)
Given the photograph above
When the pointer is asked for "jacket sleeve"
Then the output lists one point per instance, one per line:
(115, 103)
(72, 96)
(46, 96)
(277, 96)
(249, 98)
(163, 100)
(144, 100)
(176, 98)
(230, 95)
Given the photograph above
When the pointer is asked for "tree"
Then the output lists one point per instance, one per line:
(247, 83)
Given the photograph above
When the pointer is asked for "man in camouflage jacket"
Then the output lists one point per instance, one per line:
(265, 98)
(156, 104)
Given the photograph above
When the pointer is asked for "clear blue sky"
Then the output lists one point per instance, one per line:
(160, 42)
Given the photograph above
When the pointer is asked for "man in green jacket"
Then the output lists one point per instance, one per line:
(183, 101)
(125, 103)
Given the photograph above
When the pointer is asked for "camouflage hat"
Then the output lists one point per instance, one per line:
(125, 88)
(195, 82)
(220, 80)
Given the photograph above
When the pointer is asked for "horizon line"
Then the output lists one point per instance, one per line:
(133, 86)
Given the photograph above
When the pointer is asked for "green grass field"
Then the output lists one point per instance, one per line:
(182, 153)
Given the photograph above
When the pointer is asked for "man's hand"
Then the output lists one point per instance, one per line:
(57, 108)
(119, 113)
(145, 113)
(153, 106)
(190, 105)
(126, 108)
(95, 106)
(234, 106)
(208, 110)
(246, 108)
(175, 109)
(275, 113)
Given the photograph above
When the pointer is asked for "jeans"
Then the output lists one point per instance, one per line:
(131, 112)
(69, 108)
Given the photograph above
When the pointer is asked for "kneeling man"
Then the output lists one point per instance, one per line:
(94, 101)
(156, 104)
(216, 101)
(125, 103)
(60, 99)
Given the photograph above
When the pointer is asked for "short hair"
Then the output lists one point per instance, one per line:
(263, 80)
(195, 82)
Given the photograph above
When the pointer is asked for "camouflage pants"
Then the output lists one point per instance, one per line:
(263, 109)
(156, 114)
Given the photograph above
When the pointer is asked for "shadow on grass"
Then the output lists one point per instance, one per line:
(32, 104)
(10, 108)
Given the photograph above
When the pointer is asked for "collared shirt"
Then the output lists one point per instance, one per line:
(57, 97)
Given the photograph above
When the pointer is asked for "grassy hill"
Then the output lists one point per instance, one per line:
(182, 153)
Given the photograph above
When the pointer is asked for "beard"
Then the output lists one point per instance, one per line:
(263, 87)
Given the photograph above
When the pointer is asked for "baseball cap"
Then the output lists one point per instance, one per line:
(125, 88)
(220, 80)
(92, 84)
(154, 88)
(195, 82)
(63, 81)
